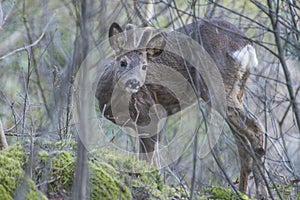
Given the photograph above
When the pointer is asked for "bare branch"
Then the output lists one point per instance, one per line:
(7, 15)
(30, 45)
(276, 27)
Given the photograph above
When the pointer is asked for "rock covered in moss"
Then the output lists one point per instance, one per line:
(223, 193)
(4, 193)
(104, 182)
(12, 176)
(63, 166)
(111, 176)
(144, 180)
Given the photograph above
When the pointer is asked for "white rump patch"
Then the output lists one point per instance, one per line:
(246, 57)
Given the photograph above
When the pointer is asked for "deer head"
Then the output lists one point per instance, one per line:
(133, 47)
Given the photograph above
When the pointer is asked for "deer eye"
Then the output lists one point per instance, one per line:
(144, 67)
(123, 63)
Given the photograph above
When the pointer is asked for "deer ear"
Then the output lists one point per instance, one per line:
(116, 38)
(156, 45)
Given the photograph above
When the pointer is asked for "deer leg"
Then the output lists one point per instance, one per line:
(147, 148)
(258, 160)
(245, 161)
(249, 127)
(258, 172)
(147, 145)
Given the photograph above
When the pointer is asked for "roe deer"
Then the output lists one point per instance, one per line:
(234, 56)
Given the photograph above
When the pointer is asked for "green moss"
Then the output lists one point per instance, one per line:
(4, 193)
(11, 170)
(179, 192)
(59, 167)
(12, 175)
(111, 176)
(121, 162)
(63, 166)
(104, 182)
(16, 152)
(223, 193)
(43, 156)
(104, 185)
(34, 194)
(143, 178)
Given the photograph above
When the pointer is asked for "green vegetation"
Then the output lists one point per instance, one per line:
(36, 100)
(13, 181)
(110, 176)
(106, 182)
(223, 193)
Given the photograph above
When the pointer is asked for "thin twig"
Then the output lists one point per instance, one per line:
(276, 27)
(30, 45)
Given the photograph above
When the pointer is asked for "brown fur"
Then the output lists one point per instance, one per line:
(220, 39)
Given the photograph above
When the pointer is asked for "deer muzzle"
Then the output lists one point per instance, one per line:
(132, 86)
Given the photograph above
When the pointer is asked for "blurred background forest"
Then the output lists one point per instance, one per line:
(42, 46)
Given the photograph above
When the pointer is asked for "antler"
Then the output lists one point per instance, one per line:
(136, 38)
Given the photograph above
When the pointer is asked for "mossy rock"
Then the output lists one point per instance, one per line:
(12, 176)
(143, 178)
(223, 193)
(4, 193)
(104, 182)
(57, 170)
(111, 176)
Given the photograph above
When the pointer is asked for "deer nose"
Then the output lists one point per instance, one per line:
(133, 84)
